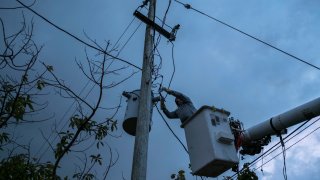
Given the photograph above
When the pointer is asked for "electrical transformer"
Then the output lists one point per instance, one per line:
(130, 118)
(131, 115)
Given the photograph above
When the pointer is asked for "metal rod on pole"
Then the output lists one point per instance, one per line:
(139, 164)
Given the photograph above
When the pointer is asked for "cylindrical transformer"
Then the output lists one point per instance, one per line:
(130, 118)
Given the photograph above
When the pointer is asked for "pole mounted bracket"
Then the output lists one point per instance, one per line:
(171, 36)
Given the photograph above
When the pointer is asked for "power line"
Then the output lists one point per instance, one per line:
(156, 68)
(63, 116)
(164, 17)
(69, 109)
(278, 143)
(77, 38)
(173, 63)
(184, 147)
(66, 122)
(291, 137)
(290, 147)
(188, 6)
(269, 150)
(164, 23)
(172, 49)
(130, 37)
(125, 30)
(18, 7)
(166, 13)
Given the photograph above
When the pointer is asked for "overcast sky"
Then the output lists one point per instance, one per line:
(214, 65)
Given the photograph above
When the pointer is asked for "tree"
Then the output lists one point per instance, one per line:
(20, 167)
(19, 85)
(247, 174)
(179, 176)
(24, 81)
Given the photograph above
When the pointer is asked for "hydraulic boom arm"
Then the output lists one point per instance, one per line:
(278, 123)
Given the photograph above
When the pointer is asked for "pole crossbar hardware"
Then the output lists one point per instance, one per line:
(171, 36)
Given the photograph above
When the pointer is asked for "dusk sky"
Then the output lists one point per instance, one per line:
(214, 65)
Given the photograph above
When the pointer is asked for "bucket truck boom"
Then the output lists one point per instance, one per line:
(280, 122)
(213, 140)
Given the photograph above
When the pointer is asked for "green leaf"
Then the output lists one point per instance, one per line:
(4, 137)
(30, 106)
(40, 84)
(20, 167)
(17, 107)
(25, 78)
(8, 87)
(29, 102)
(114, 125)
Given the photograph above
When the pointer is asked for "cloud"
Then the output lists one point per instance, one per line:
(268, 171)
(302, 159)
(305, 155)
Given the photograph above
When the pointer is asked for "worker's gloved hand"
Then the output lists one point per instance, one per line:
(163, 89)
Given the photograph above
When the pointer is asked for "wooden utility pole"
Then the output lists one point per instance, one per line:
(139, 164)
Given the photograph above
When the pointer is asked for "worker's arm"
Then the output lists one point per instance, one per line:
(171, 115)
(177, 94)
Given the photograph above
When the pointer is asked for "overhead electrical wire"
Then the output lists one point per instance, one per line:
(283, 152)
(290, 146)
(290, 136)
(66, 122)
(18, 7)
(130, 38)
(63, 117)
(271, 150)
(77, 38)
(188, 6)
(125, 30)
(156, 71)
(156, 68)
(166, 13)
(114, 46)
(275, 146)
(163, 21)
(174, 134)
(172, 56)
(173, 64)
(165, 24)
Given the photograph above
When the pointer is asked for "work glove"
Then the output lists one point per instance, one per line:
(163, 89)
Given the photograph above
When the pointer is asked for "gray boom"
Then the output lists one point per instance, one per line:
(287, 119)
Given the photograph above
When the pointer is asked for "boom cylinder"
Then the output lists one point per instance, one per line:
(278, 123)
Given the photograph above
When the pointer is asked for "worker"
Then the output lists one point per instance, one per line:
(185, 107)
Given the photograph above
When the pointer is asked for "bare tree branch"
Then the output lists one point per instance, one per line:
(17, 7)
